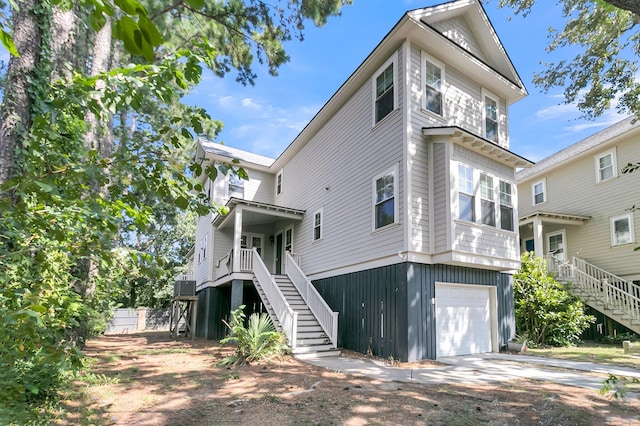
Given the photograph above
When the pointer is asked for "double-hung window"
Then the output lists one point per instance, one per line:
(279, 183)
(384, 91)
(606, 166)
(236, 186)
(487, 201)
(433, 84)
(490, 118)
(539, 192)
(466, 191)
(622, 230)
(506, 206)
(317, 225)
(385, 199)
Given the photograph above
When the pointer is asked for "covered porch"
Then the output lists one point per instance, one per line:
(545, 233)
(252, 228)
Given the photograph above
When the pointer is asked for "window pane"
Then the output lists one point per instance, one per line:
(465, 179)
(384, 93)
(538, 193)
(466, 207)
(433, 100)
(433, 88)
(622, 234)
(606, 167)
(491, 119)
(385, 213)
(486, 187)
(506, 218)
(505, 194)
(488, 209)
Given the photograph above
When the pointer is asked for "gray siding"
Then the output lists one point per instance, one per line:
(441, 197)
(572, 189)
(458, 30)
(388, 310)
(334, 171)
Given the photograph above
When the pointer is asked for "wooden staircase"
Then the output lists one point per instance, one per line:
(311, 341)
(608, 294)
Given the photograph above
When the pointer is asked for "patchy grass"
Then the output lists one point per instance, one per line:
(593, 352)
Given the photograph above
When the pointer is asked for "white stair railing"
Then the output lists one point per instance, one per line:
(327, 319)
(286, 316)
(601, 274)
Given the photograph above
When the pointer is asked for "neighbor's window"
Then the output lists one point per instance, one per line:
(236, 186)
(506, 206)
(606, 166)
(317, 225)
(490, 118)
(385, 199)
(279, 183)
(433, 83)
(487, 203)
(384, 92)
(538, 190)
(466, 198)
(622, 230)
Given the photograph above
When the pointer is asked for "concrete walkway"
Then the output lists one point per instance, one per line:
(482, 368)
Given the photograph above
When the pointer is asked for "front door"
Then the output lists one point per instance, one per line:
(279, 253)
(556, 244)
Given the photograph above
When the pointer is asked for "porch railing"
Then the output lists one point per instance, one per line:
(226, 265)
(326, 317)
(246, 260)
(287, 318)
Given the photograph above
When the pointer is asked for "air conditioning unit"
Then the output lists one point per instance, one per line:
(184, 288)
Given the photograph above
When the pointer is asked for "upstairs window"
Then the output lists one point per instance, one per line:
(384, 205)
(317, 225)
(622, 230)
(606, 167)
(490, 118)
(279, 183)
(506, 206)
(433, 84)
(487, 202)
(236, 186)
(385, 97)
(539, 192)
(466, 190)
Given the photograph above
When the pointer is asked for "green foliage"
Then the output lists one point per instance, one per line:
(255, 341)
(545, 312)
(617, 386)
(607, 40)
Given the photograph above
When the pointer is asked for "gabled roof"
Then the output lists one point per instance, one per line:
(586, 146)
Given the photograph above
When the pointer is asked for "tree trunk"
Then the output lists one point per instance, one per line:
(15, 117)
(63, 42)
(632, 6)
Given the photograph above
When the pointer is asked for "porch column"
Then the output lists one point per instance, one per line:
(237, 234)
(538, 247)
(236, 294)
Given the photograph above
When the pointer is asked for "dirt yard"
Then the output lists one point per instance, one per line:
(148, 379)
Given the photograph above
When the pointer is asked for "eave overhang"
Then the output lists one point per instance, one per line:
(272, 210)
(480, 145)
(554, 218)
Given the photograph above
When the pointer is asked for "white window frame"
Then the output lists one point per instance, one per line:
(491, 198)
(424, 58)
(202, 250)
(486, 94)
(614, 240)
(543, 182)
(474, 214)
(393, 60)
(614, 165)
(318, 226)
(230, 176)
(507, 205)
(391, 171)
(565, 252)
(279, 182)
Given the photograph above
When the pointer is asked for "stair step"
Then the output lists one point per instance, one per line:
(312, 348)
(312, 341)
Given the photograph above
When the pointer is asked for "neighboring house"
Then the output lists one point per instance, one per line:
(575, 209)
(397, 202)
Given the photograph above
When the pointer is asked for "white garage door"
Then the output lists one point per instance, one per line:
(463, 319)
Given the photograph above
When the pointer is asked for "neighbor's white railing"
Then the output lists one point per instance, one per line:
(326, 317)
(601, 274)
(284, 313)
(246, 260)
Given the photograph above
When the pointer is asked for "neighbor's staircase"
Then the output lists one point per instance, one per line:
(309, 334)
(606, 293)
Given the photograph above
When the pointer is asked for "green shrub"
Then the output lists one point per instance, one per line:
(255, 341)
(545, 312)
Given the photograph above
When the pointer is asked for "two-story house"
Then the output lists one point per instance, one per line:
(576, 210)
(392, 215)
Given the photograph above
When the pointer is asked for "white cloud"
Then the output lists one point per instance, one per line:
(250, 103)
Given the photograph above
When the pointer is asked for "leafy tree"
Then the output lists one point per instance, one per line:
(605, 34)
(545, 312)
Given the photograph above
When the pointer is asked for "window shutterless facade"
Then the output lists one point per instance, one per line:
(384, 90)
(622, 230)
(490, 117)
(433, 84)
(384, 199)
(539, 192)
(236, 186)
(506, 206)
(317, 225)
(487, 203)
(466, 191)
(606, 167)
(279, 183)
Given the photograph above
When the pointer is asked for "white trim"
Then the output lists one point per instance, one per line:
(487, 94)
(544, 192)
(629, 217)
(565, 251)
(321, 225)
(390, 171)
(424, 57)
(614, 164)
(279, 176)
(393, 60)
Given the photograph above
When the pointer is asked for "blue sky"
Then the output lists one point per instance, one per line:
(266, 117)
